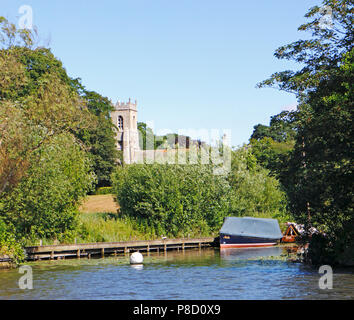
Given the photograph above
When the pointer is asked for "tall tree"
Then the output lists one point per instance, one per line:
(100, 140)
(321, 172)
(282, 128)
(44, 170)
(320, 55)
(37, 102)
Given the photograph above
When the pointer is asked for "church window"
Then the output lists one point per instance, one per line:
(120, 123)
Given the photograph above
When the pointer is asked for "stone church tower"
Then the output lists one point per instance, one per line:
(125, 118)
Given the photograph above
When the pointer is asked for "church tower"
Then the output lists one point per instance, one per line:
(125, 118)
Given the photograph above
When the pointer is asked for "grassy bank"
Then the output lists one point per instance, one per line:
(99, 221)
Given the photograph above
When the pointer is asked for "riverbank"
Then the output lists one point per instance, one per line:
(99, 221)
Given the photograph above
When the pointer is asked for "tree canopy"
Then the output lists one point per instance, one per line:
(319, 171)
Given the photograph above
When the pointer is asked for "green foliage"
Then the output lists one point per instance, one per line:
(108, 227)
(254, 192)
(173, 200)
(104, 190)
(320, 54)
(9, 245)
(282, 128)
(147, 139)
(10, 36)
(319, 173)
(324, 177)
(181, 200)
(272, 144)
(44, 204)
(44, 170)
(100, 140)
(37, 103)
(272, 155)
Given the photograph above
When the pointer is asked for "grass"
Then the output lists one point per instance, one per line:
(100, 222)
(108, 227)
(99, 203)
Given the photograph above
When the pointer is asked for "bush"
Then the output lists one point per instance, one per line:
(254, 192)
(9, 246)
(182, 200)
(104, 190)
(44, 204)
(173, 200)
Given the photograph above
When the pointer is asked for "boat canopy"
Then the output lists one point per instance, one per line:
(252, 227)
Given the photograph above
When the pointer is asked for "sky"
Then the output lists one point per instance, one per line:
(190, 64)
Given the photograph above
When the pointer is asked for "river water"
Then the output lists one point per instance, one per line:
(208, 274)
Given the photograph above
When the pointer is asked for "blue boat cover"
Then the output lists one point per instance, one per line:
(252, 227)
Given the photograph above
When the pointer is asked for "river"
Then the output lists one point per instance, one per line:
(208, 274)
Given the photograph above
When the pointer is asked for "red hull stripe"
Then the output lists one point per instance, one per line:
(242, 245)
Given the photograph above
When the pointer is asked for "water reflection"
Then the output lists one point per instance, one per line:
(137, 266)
(250, 253)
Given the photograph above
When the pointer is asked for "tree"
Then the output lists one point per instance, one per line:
(282, 128)
(44, 203)
(38, 101)
(254, 192)
(324, 177)
(100, 140)
(37, 83)
(44, 170)
(320, 168)
(320, 55)
(272, 144)
(272, 155)
(148, 139)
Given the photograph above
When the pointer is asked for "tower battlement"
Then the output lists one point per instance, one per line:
(126, 105)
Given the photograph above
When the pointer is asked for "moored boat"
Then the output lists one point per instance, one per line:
(246, 232)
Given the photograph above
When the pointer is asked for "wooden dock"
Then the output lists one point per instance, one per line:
(102, 249)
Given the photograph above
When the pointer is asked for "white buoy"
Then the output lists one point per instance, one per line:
(136, 258)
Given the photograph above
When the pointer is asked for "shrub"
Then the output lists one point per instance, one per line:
(104, 190)
(172, 200)
(44, 204)
(254, 192)
(9, 246)
(181, 200)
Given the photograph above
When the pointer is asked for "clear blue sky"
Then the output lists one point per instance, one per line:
(189, 63)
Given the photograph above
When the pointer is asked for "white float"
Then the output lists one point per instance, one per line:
(136, 258)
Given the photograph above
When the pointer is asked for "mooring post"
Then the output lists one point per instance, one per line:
(102, 252)
(78, 253)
